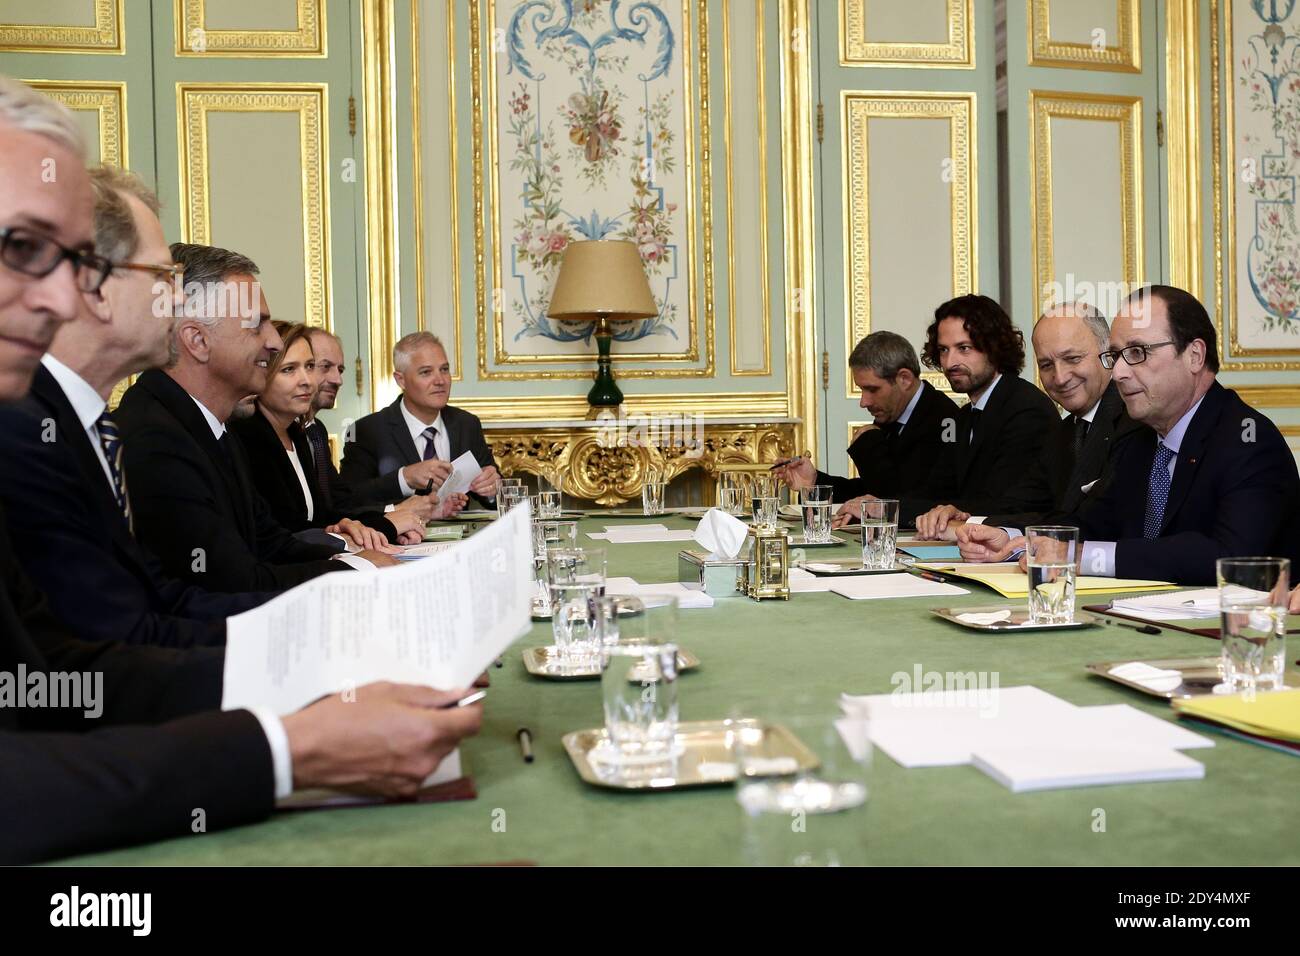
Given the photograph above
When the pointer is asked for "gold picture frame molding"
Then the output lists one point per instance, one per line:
(308, 41)
(107, 36)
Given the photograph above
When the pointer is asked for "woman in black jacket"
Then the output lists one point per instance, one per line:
(281, 458)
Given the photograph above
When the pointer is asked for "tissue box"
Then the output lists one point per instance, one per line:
(717, 577)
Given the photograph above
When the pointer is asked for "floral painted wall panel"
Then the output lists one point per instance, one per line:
(594, 139)
(1265, 58)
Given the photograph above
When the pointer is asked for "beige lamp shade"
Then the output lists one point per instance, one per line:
(602, 279)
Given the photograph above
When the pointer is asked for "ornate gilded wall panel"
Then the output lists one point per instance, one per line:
(106, 35)
(195, 38)
(1115, 45)
(107, 101)
(955, 51)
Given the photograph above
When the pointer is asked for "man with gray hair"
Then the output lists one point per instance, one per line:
(896, 452)
(1077, 457)
(194, 501)
(407, 448)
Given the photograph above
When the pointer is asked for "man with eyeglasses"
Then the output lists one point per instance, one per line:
(63, 483)
(1209, 476)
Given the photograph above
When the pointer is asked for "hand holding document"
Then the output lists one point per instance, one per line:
(463, 472)
(439, 621)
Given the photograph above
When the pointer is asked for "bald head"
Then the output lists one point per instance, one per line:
(1068, 340)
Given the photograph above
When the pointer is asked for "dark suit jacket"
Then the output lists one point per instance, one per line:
(278, 485)
(77, 549)
(1234, 493)
(188, 496)
(381, 446)
(74, 784)
(1061, 476)
(890, 463)
(976, 475)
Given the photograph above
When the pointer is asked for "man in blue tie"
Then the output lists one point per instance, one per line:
(1209, 476)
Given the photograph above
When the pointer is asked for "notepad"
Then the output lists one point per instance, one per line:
(936, 552)
(1200, 604)
(1011, 582)
(1024, 769)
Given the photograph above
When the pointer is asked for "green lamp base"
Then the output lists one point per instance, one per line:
(605, 392)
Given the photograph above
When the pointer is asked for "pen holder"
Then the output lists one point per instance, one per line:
(767, 575)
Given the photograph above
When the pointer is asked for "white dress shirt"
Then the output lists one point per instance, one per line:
(441, 443)
(911, 407)
(87, 405)
(302, 482)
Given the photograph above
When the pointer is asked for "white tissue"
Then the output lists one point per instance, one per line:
(721, 534)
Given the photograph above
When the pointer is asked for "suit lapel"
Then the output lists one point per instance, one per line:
(967, 448)
(1192, 449)
(401, 434)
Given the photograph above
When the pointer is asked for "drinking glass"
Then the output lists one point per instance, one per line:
(1252, 609)
(553, 534)
(509, 497)
(731, 494)
(638, 683)
(548, 504)
(652, 497)
(765, 512)
(576, 578)
(764, 486)
(1051, 553)
(815, 816)
(817, 514)
(879, 533)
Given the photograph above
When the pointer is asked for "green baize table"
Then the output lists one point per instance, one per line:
(759, 656)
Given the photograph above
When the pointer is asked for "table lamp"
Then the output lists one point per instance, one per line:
(602, 281)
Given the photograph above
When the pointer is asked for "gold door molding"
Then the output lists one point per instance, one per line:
(193, 38)
(696, 160)
(1126, 111)
(417, 150)
(858, 108)
(194, 101)
(107, 99)
(1183, 121)
(108, 35)
(958, 52)
(1123, 57)
(760, 80)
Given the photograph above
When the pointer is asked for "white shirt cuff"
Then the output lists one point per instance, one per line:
(389, 508)
(402, 486)
(354, 561)
(280, 757)
(1098, 559)
(976, 519)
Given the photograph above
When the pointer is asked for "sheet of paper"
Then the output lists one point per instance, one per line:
(805, 582)
(686, 597)
(1200, 604)
(414, 552)
(648, 536)
(439, 621)
(463, 472)
(870, 586)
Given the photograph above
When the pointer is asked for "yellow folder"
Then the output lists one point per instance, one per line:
(1273, 714)
(1009, 581)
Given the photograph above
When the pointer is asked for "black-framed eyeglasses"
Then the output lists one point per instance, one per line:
(165, 273)
(1133, 355)
(35, 255)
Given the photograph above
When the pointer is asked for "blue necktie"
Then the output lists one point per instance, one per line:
(1157, 492)
(111, 441)
(429, 450)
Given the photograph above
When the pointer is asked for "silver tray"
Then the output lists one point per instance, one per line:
(797, 541)
(1200, 675)
(1019, 619)
(703, 757)
(850, 570)
(541, 662)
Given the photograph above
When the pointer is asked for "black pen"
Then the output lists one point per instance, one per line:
(465, 701)
(525, 738)
(927, 575)
(786, 461)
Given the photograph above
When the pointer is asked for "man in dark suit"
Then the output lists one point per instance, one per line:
(1077, 456)
(193, 502)
(998, 432)
(58, 482)
(908, 419)
(1209, 476)
(408, 447)
(102, 770)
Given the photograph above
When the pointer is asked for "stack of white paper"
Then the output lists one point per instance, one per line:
(1025, 738)
(865, 587)
(805, 582)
